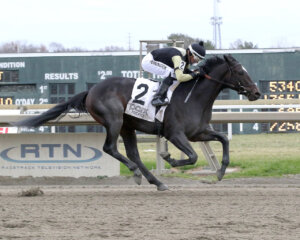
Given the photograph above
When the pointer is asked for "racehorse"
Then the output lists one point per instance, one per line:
(186, 119)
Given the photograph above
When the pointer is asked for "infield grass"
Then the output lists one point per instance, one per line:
(252, 155)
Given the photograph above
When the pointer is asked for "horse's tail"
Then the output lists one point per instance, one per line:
(77, 102)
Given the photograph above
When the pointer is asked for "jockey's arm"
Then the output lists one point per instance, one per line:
(179, 66)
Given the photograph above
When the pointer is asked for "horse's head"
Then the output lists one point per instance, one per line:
(240, 80)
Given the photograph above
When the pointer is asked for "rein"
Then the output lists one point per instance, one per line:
(210, 78)
(218, 81)
(240, 89)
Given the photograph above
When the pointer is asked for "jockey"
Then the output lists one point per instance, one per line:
(171, 63)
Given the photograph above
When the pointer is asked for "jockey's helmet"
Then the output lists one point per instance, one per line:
(197, 50)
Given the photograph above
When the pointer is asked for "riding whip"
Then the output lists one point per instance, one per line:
(190, 93)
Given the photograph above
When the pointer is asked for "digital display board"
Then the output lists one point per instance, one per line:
(287, 89)
(6, 100)
(282, 89)
(9, 75)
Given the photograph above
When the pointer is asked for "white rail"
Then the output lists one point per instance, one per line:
(217, 117)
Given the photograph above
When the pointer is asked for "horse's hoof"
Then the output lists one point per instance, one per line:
(162, 187)
(165, 155)
(220, 174)
(137, 176)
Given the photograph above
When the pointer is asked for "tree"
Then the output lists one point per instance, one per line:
(112, 49)
(189, 40)
(239, 44)
(29, 48)
(21, 47)
(209, 45)
(56, 47)
(24, 47)
(10, 47)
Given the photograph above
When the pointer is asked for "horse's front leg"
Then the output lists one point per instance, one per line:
(211, 135)
(180, 141)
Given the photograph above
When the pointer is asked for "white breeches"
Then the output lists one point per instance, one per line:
(155, 67)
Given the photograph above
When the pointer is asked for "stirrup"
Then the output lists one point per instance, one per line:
(158, 102)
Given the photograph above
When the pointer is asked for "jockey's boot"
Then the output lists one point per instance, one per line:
(159, 99)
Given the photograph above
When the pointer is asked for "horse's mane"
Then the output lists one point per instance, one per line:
(210, 63)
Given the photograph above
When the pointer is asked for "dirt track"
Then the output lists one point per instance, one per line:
(117, 209)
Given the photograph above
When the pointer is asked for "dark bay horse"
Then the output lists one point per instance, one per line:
(183, 122)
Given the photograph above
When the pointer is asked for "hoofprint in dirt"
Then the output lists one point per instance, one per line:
(232, 209)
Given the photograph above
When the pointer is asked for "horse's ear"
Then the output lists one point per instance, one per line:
(229, 59)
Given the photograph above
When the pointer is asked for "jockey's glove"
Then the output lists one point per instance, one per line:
(199, 73)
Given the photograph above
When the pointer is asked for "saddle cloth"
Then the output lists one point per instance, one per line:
(140, 106)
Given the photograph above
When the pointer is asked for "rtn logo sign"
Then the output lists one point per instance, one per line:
(31, 153)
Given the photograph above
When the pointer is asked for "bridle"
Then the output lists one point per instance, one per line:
(239, 88)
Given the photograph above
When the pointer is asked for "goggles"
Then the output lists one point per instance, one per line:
(197, 58)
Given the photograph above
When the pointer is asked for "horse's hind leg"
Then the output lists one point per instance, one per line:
(113, 123)
(110, 145)
(130, 142)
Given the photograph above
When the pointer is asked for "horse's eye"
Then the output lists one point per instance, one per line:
(241, 72)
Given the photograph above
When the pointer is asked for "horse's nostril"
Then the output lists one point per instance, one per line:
(257, 94)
